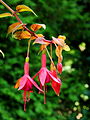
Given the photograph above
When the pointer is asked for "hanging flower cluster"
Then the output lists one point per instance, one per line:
(20, 31)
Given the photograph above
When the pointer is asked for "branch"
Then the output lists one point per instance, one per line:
(19, 20)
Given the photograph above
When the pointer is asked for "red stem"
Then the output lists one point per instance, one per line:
(24, 99)
(19, 20)
(35, 76)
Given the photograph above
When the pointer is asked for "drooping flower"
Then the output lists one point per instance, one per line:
(55, 85)
(45, 76)
(26, 83)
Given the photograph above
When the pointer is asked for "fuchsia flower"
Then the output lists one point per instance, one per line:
(46, 76)
(26, 83)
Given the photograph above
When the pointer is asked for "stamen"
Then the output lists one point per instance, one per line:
(24, 99)
(50, 57)
(28, 96)
(44, 94)
(46, 88)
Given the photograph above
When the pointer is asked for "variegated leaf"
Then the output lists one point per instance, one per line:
(22, 8)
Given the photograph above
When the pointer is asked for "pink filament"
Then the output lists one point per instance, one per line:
(44, 94)
(24, 99)
(28, 96)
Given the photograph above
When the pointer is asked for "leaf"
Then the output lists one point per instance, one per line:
(38, 35)
(58, 51)
(22, 35)
(61, 37)
(42, 47)
(18, 83)
(2, 53)
(13, 27)
(52, 67)
(60, 58)
(66, 48)
(5, 15)
(22, 8)
(36, 27)
(17, 28)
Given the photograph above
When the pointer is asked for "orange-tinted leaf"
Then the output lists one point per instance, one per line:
(60, 58)
(21, 35)
(52, 67)
(2, 53)
(13, 27)
(32, 38)
(66, 48)
(61, 37)
(58, 51)
(42, 47)
(17, 83)
(38, 35)
(5, 15)
(36, 27)
(22, 8)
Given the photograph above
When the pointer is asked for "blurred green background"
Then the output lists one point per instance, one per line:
(62, 17)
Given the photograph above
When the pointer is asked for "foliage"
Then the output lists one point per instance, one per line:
(67, 17)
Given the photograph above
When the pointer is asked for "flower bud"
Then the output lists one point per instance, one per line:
(59, 67)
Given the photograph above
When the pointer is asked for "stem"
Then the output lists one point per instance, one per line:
(28, 96)
(19, 20)
(51, 50)
(12, 11)
(44, 94)
(28, 49)
(50, 57)
(24, 99)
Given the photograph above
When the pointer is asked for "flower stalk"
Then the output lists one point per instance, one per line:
(28, 49)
